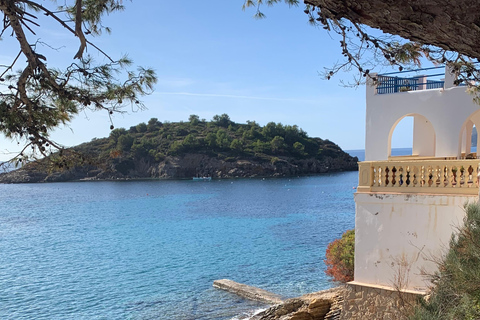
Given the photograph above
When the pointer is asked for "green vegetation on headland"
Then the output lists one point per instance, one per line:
(219, 148)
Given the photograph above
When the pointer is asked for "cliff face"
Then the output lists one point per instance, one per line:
(186, 167)
(192, 165)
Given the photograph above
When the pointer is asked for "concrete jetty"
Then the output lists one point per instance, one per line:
(246, 291)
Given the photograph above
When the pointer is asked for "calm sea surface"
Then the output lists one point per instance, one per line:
(151, 249)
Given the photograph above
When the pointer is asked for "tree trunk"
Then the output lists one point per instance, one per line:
(453, 25)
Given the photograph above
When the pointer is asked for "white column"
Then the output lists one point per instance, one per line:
(423, 137)
(450, 77)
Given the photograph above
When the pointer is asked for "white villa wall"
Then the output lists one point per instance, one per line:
(446, 109)
(391, 229)
(398, 234)
(424, 143)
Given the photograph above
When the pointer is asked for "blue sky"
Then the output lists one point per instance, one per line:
(213, 58)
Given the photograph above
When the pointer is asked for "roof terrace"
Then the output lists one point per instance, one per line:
(444, 114)
(420, 79)
(443, 159)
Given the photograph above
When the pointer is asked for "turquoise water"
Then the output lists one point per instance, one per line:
(151, 249)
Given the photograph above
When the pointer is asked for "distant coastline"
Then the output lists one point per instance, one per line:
(360, 153)
(186, 167)
(219, 148)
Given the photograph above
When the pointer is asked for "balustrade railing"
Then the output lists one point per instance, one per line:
(420, 176)
(394, 82)
(397, 84)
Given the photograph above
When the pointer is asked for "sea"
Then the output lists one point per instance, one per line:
(152, 249)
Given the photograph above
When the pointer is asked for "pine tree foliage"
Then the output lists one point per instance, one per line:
(258, 3)
(363, 49)
(39, 98)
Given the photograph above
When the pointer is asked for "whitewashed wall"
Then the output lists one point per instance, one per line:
(391, 229)
(446, 110)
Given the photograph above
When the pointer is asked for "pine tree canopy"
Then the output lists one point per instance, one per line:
(441, 32)
(35, 97)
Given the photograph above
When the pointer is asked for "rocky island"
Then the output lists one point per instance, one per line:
(219, 148)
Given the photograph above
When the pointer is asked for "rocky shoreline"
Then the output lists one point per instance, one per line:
(321, 305)
(350, 301)
(182, 167)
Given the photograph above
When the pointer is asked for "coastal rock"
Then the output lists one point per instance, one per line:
(280, 311)
(23, 175)
(184, 167)
(321, 305)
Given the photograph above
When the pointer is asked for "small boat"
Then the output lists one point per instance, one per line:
(202, 178)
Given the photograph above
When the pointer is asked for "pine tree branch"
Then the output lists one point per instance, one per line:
(66, 26)
(78, 30)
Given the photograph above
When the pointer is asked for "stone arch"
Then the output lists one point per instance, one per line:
(423, 144)
(464, 146)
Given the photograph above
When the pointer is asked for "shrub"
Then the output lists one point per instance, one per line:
(141, 127)
(456, 291)
(116, 133)
(139, 151)
(340, 257)
(223, 140)
(211, 140)
(115, 154)
(193, 119)
(277, 144)
(299, 148)
(236, 145)
(190, 142)
(270, 130)
(153, 124)
(125, 142)
(222, 120)
(261, 147)
(176, 147)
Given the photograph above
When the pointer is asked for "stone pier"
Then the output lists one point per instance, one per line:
(248, 292)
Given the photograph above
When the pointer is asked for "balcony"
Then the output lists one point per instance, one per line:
(444, 113)
(414, 80)
(427, 175)
(393, 83)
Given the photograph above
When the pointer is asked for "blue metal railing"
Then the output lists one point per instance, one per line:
(435, 84)
(392, 84)
(415, 70)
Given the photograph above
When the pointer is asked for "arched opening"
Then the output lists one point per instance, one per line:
(402, 138)
(474, 139)
(469, 143)
(412, 135)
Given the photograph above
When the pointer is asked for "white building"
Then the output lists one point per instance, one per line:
(407, 207)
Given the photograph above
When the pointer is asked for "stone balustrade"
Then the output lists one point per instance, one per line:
(420, 176)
